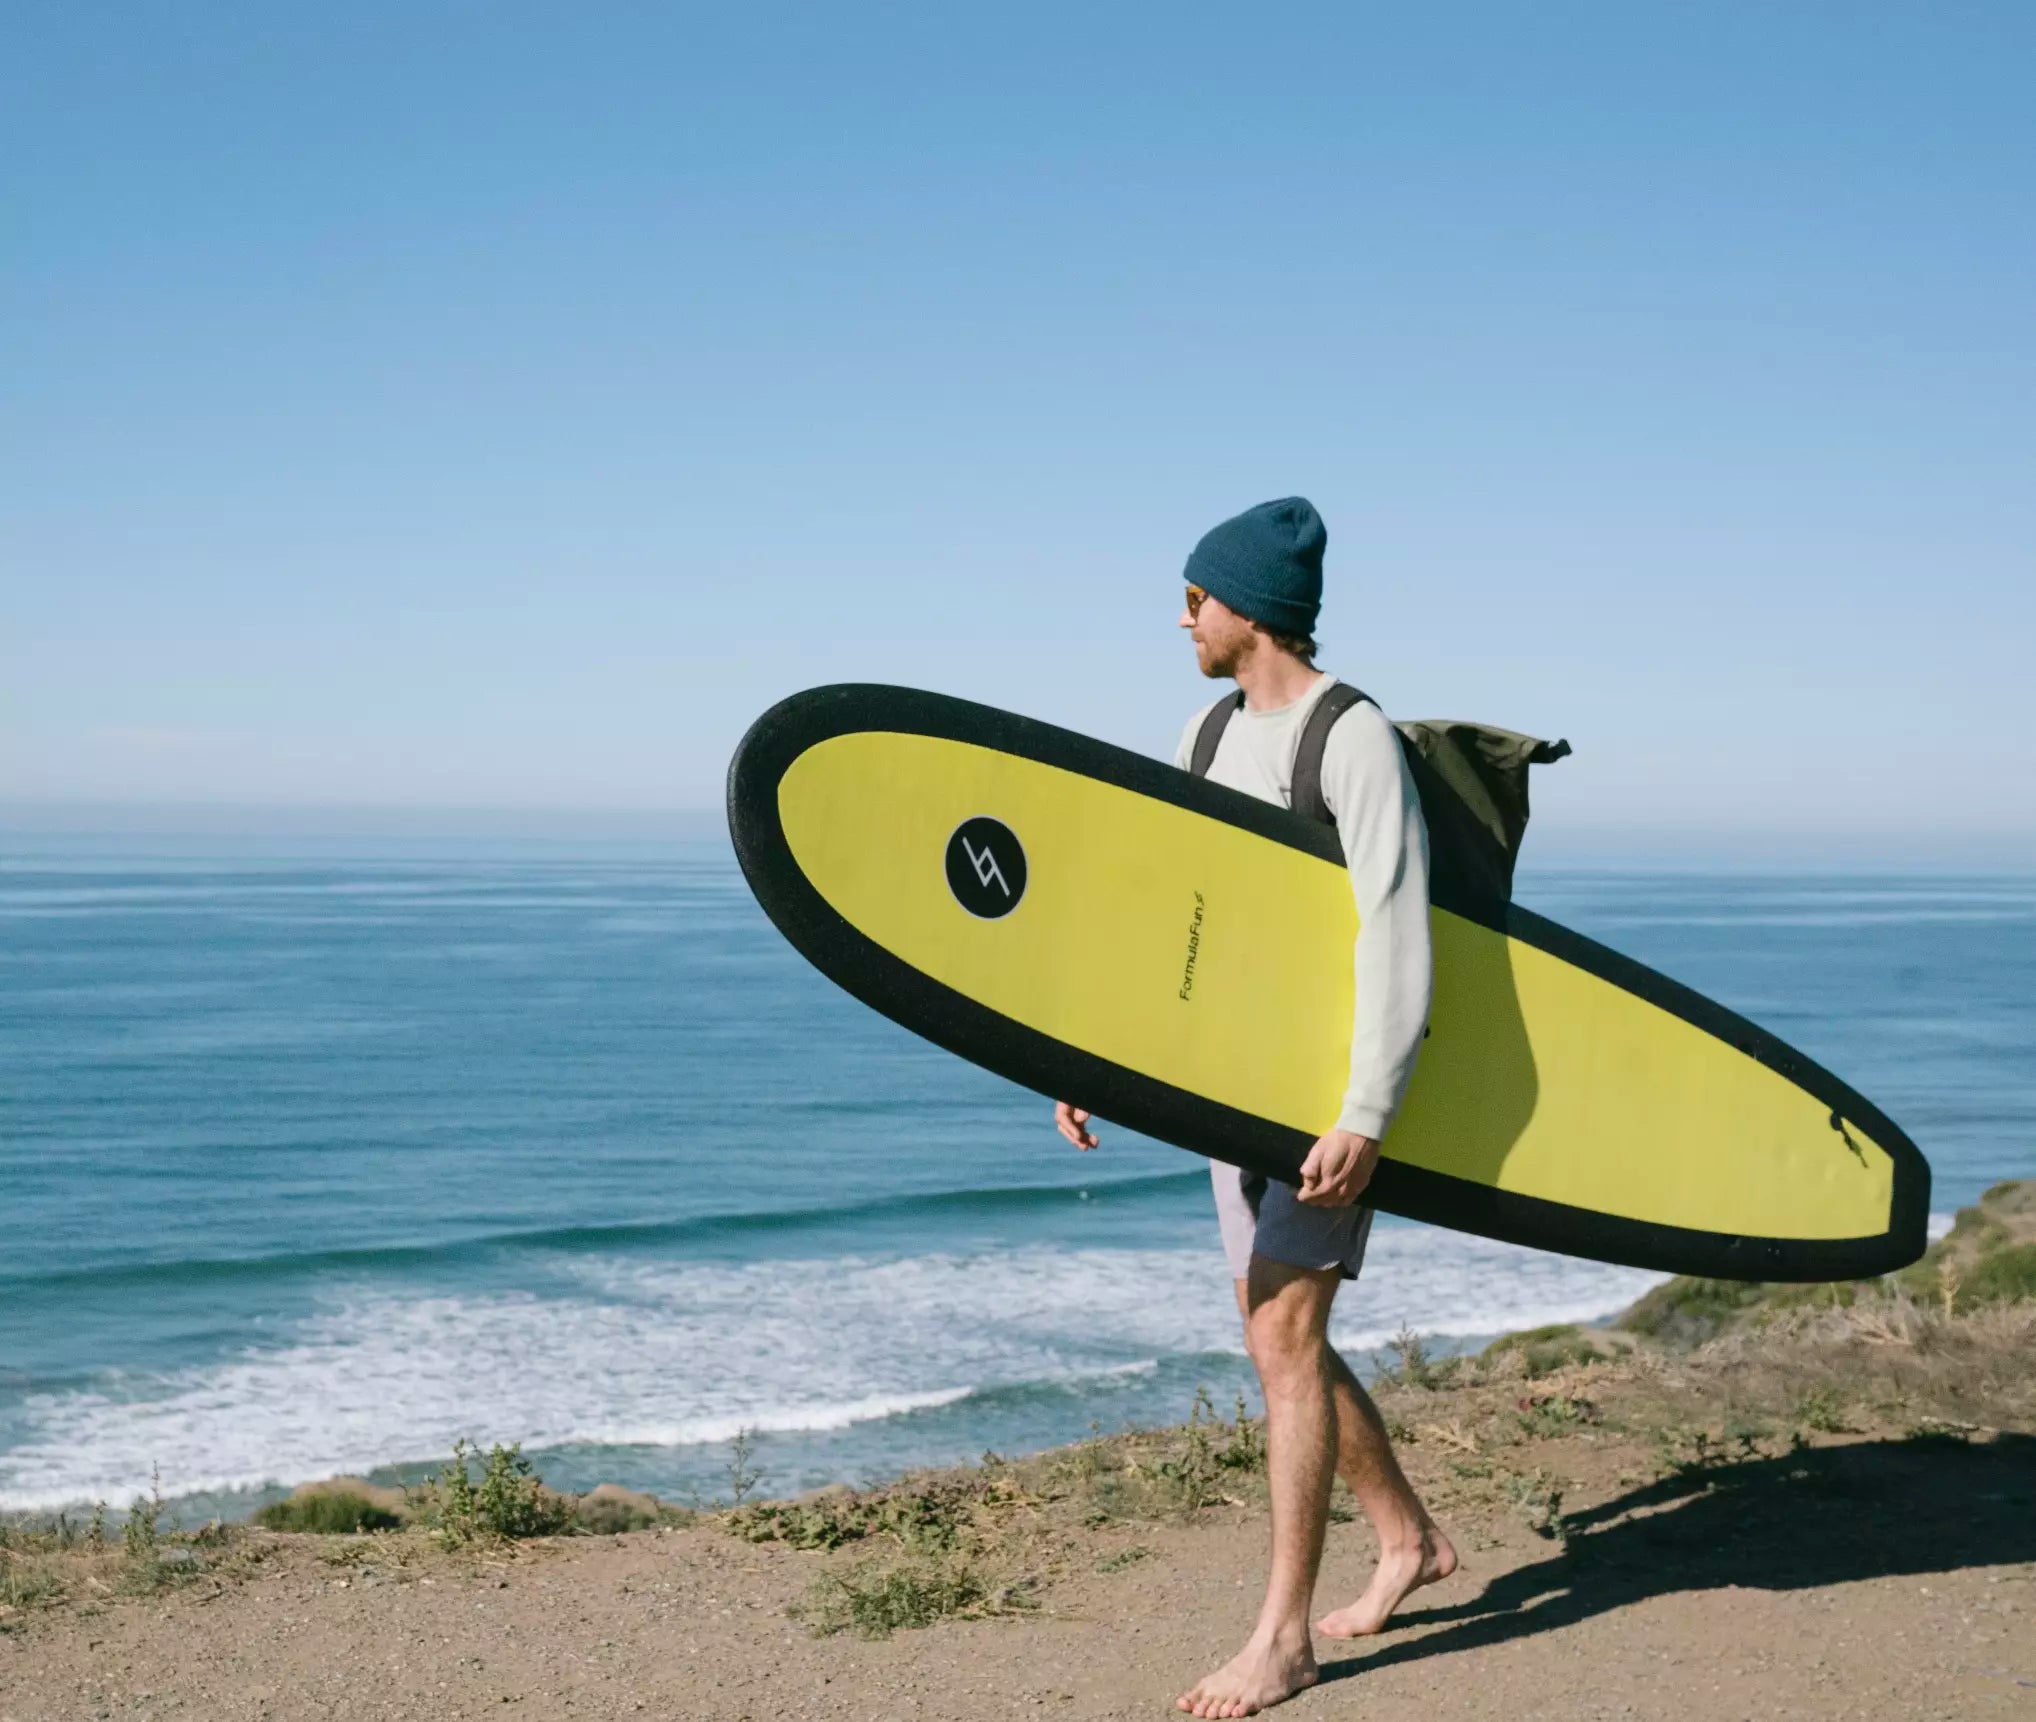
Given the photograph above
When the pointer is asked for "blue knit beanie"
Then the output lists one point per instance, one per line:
(1266, 564)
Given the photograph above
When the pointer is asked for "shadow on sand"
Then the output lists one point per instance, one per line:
(1824, 1516)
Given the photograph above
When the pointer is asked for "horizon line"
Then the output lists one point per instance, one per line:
(1997, 849)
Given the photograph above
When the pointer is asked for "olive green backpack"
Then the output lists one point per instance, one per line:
(1471, 778)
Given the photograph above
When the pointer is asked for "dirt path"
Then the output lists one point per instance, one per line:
(1892, 1582)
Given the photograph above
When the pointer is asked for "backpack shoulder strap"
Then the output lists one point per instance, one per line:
(1307, 796)
(1211, 732)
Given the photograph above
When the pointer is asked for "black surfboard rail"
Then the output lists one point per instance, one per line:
(1134, 1101)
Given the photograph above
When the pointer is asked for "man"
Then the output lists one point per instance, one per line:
(1254, 589)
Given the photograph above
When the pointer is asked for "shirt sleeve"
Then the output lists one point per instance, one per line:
(1368, 788)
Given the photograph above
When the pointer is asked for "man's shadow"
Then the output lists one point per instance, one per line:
(1822, 1516)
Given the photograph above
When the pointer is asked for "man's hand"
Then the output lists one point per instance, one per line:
(1337, 1169)
(1073, 1123)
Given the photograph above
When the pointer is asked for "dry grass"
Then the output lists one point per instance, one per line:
(50, 1562)
(1502, 1443)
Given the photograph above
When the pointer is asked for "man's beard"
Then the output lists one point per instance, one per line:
(1217, 663)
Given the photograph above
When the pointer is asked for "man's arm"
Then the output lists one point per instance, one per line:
(1367, 785)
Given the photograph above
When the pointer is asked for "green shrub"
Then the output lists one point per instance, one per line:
(1537, 1498)
(742, 1470)
(1684, 1450)
(1988, 1256)
(26, 1584)
(1555, 1414)
(329, 1513)
(877, 1599)
(1543, 1350)
(508, 1503)
(1414, 1365)
(1939, 1432)
(151, 1560)
(141, 1536)
(1088, 1462)
(1117, 1562)
(611, 1509)
(1688, 1311)
(2004, 1275)
(1191, 1470)
(1245, 1448)
(1743, 1435)
(1821, 1410)
(930, 1518)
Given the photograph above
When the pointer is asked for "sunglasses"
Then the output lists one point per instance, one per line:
(1195, 597)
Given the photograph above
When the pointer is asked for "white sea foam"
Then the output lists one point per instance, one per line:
(619, 1352)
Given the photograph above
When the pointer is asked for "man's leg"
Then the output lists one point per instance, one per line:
(1286, 1328)
(1412, 1549)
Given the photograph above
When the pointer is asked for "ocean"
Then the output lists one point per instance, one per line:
(315, 1156)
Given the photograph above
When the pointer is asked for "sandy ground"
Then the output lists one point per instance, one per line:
(1869, 1578)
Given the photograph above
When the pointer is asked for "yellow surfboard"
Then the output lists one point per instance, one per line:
(1175, 956)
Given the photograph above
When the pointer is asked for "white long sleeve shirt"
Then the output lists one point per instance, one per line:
(1368, 788)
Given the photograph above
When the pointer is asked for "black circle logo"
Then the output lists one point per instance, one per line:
(985, 867)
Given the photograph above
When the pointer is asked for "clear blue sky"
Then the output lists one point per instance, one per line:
(447, 406)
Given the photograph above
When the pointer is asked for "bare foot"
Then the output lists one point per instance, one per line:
(1259, 1676)
(1398, 1577)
